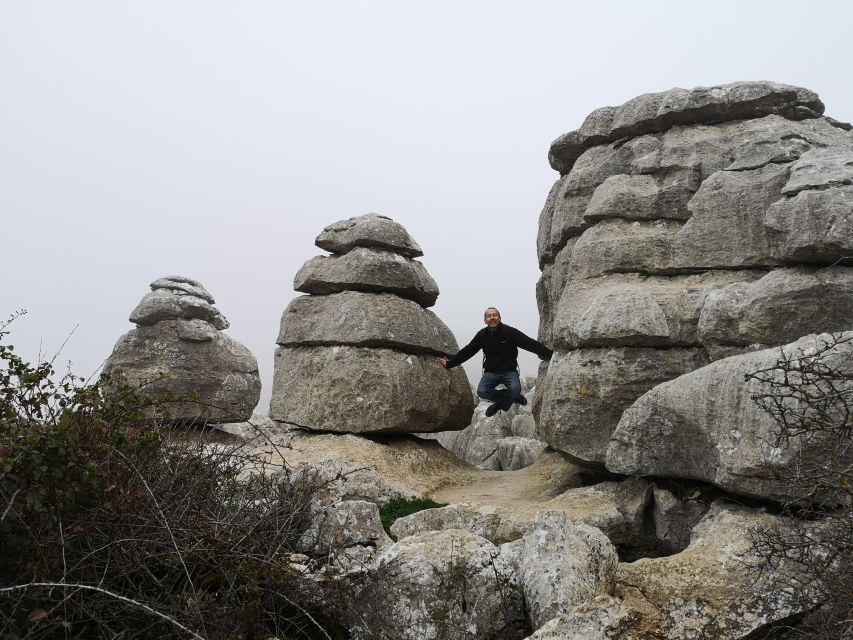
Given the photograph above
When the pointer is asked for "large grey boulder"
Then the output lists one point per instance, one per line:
(709, 591)
(371, 230)
(683, 156)
(359, 390)
(705, 425)
(563, 564)
(449, 585)
(359, 354)
(179, 354)
(364, 269)
(687, 220)
(360, 319)
(586, 391)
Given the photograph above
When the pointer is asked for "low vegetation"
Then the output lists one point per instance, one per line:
(810, 398)
(397, 508)
(114, 527)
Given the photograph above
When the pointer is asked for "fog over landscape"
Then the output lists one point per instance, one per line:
(215, 140)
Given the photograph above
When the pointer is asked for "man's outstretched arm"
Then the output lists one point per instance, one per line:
(464, 354)
(529, 344)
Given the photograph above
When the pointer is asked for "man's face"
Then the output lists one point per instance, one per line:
(493, 318)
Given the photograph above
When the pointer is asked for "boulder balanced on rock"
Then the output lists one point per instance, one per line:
(687, 226)
(178, 351)
(359, 353)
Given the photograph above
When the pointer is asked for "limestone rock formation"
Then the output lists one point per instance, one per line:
(687, 226)
(506, 441)
(450, 585)
(359, 354)
(706, 592)
(705, 426)
(563, 564)
(178, 351)
(617, 509)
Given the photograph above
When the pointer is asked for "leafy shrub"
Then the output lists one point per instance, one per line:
(111, 526)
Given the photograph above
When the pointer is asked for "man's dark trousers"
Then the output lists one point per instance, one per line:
(502, 397)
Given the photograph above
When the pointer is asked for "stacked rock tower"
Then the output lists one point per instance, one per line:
(178, 350)
(687, 226)
(358, 354)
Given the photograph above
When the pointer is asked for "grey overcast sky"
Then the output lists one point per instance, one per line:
(216, 139)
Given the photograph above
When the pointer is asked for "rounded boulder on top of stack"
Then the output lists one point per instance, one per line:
(359, 354)
(687, 226)
(178, 352)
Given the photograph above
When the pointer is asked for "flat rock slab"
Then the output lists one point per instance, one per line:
(705, 426)
(360, 319)
(182, 283)
(358, 390)
(655, 112)
(636, 310)
(586, 391)
(371, 230)
(217, 377)
(170, 304)
(616, 508)
(364, 269)
(410, 466)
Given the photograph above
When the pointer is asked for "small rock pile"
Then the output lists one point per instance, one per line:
(358, 354)
(686, 227)
(506, 441)
(178, 351)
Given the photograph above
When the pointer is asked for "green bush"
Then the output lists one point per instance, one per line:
(111, 526)
(400, 507)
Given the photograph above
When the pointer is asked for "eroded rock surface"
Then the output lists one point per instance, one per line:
(696, 224)
(706, 426)
(449, 585)
(179, 354)
(563, 564)
(359, 354)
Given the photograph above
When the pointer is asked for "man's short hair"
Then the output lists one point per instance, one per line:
(491, 309)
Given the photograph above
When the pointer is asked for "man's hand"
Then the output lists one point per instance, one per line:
(442, 362)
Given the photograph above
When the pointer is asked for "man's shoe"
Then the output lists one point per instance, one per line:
(521, 400)
(492, 410)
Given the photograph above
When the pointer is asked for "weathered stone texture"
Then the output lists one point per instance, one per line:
(359, 390)
(706, 426)
(689, 219)
(371, 230)
(364, 269)
(179, 353)
(354, 318)
(359, 353)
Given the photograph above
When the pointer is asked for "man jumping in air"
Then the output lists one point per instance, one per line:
(499, 343)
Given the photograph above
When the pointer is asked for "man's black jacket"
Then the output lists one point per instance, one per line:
(500, 349)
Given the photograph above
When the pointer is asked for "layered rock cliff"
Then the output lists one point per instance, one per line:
(687, 226)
